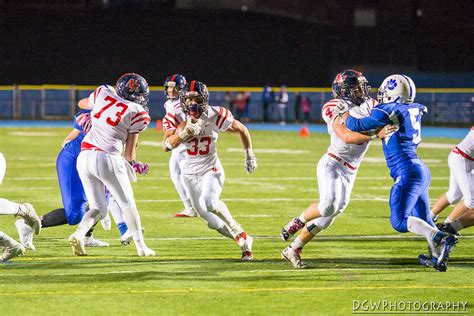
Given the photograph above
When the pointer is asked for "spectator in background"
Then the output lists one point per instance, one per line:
(306, 107)
(229, 102)
(282, 104)
(297, 106)
(267, 99)
(240, 105)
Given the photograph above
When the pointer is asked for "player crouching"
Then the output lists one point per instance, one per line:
(203, 173)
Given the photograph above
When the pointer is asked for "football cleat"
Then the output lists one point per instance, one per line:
(293, 256)
(106, 222)
(447, 228)
(447, 245)
(27, 212)
(291, 228)
(247, 254)
(186, 213)
(92, 242)
(13, 250)
(432, 262)
(77, 244)
(25, 233)
(127, 237)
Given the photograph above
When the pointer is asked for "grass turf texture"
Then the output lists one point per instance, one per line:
(198, 272)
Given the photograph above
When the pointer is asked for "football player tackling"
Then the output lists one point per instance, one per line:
(203, 173)
(337, 169)
(409, 200)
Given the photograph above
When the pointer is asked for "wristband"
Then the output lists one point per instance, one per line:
(168, 146)
(249, 152)
(183, 134)
(373, 136)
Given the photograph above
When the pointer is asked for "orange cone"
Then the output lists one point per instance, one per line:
(159, 126)
(304, 131)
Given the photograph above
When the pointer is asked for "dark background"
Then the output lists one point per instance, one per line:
(234, 43)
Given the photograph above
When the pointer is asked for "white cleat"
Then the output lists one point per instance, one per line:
(77, 244)
(126, 238)
(186, 213)
(92, 242)
(146, 252)
(106, 222)
(13, 250)
(27, 212)
(247, 254)
(293, 256)
(25, 233)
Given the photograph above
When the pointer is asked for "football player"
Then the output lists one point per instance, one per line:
(337, 169)
(174, 116)
(72, 192)
(12, 248)
(119, 116)
(461, 183)
(202, 170)
(409, 199)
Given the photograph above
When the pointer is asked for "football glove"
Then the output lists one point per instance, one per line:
(341, 107)
(250, 161)
(191, 129)
(84, 121)
(140, 167)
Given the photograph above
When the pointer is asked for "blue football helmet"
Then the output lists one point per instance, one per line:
(351, 85)
(133, 87)
(176, 81)
(194, 98)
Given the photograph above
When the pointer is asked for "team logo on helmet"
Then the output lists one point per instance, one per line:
(391, 84)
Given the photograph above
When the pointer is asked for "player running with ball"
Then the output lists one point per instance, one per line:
(203, 173)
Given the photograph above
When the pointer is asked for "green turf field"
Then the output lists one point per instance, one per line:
(196, 271)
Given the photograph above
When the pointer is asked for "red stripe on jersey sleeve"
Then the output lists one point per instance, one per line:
(138, 114)
(96, 93)
(219, 116)
(142, 118)
(224, 117)
(167, 121)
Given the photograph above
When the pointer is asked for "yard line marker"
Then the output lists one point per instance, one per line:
(233, 290)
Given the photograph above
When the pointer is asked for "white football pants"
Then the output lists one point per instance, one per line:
(204, 191)
(335, 182)
(97, 170)
(461, 180)
(177, 176)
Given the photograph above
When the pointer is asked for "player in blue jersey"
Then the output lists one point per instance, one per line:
(72, 191)
(409, 200)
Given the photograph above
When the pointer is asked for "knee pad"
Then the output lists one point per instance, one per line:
(469, 203)
(211, 204)
(327, 208)
(453, 197)
(213, 225)
(320, 224)
(399, 224)
(75, 212)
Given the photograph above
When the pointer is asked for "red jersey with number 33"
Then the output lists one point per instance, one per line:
(113, 118)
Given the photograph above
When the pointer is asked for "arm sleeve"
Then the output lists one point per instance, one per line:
(224, 119)
(376, 119)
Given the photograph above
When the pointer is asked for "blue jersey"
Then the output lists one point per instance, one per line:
(74, 146)
(400, 148)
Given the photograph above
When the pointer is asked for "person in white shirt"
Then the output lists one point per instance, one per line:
(12, 248)
(118, 117)
(202, 170)
(174, 84)
(461, 188)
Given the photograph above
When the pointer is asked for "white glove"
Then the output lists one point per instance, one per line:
(250, 161)
(191, 129)
(341, 107)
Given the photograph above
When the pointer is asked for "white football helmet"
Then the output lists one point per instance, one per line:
(397, 89)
